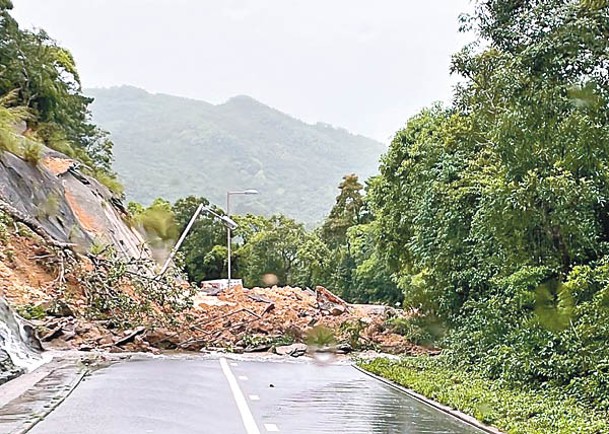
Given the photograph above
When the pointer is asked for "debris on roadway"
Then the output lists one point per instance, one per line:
(277, 319)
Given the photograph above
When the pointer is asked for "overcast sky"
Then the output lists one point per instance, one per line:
(360, 64)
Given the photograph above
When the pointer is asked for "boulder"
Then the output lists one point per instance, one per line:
(337, 310)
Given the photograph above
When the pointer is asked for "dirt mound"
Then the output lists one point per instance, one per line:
(59, 302)
(245, 320)
(260, 319)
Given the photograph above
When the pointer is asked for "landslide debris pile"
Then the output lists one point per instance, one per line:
(71, 259)
(247, 320)
(261, 319)
(85, 302)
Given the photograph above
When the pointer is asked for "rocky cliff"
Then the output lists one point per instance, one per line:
(50, 196)
(69, 206)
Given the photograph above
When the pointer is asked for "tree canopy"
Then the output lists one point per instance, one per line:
(493, 211)
(44, 79)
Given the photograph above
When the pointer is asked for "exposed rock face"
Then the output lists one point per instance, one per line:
(70, 206)
(64, 206)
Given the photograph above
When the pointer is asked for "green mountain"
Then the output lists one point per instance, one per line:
(171, 147)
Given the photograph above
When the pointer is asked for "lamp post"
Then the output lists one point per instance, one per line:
(226, 221)
(228, 229)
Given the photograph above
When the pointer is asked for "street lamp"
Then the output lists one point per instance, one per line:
(228, 229)
(224, 219)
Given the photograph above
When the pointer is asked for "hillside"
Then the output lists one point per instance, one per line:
(173, 147)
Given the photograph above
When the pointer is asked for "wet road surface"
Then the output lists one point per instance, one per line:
(171, 396)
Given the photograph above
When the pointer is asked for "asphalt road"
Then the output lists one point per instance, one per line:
(168, 396)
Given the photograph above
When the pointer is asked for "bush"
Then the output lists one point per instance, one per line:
(110, 182)
(32, 312)
(418, 329)
(512, 410)
(536, 331)
(8, 142)
(32, 152)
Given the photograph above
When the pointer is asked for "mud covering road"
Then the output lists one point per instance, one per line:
(240, 397)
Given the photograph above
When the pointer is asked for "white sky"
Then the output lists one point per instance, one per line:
(363, 65)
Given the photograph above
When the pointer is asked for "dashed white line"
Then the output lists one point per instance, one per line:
(254, 398)
(234, 364)
(243, 377)
(246, 414)
(271, 427)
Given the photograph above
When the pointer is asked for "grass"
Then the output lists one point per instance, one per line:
(32, 312)
(8, 142)
(110, 182)
(492, 402)
(32, 152)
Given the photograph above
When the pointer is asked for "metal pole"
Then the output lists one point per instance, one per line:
(228, 239)
(181, 240)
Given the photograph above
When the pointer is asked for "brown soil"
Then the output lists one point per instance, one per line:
(237, 319)
(25, 277)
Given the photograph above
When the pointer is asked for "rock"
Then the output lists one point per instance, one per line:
(83, 206)
(81, 328)
(337, 310)
(366, 320)
(130, 336)
(6, 363)
(257, 348)
(324, 295)
(19, 127)
(294, 350)
(59, 308)
(53, 334)
(163, 338)
(344, 348)
(106, 340)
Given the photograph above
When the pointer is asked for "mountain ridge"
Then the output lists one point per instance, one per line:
(171, 146)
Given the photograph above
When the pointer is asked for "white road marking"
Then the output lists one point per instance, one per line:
(246, 413)
(234, 364)
(271, 427)
(243, 377)
(254, 398)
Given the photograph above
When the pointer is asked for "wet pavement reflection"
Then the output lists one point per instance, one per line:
(312, 398)
(193, 396)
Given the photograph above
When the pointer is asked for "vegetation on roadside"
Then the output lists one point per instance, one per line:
(523, 410)
(40, 90)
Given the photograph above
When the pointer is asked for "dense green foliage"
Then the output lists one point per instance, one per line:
(277, 249)
(174, 147)
(494, 211)
(520, 411)
(270, 251)
(205, 248)
(39, 84)
(356, 268)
